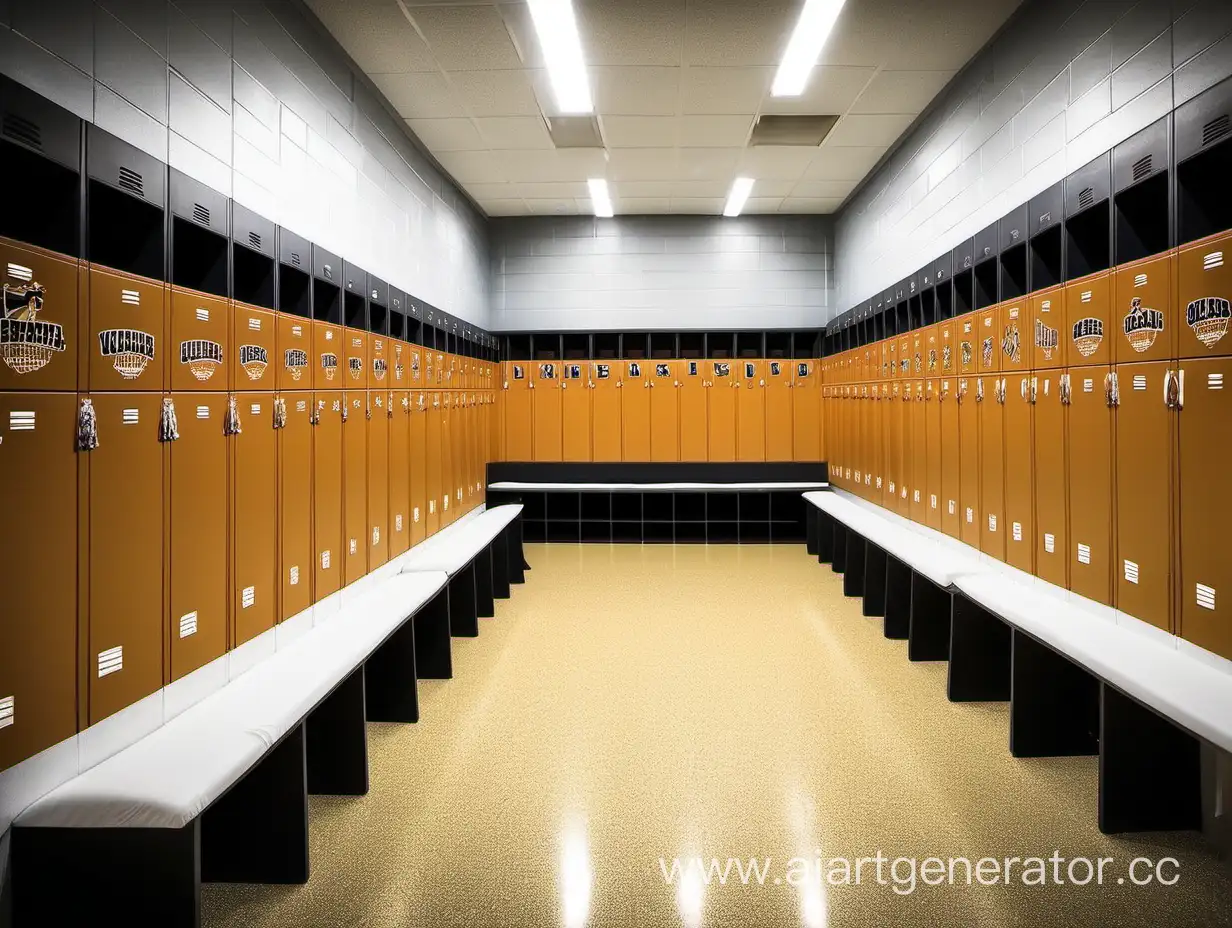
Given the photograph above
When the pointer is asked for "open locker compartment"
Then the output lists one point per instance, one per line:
(253, 257)
(1087, 332)
(1142, 194)
(200, 236)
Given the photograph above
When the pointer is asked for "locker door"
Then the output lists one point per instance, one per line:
(1088, 321)
(253, 349)
(1091, 468)
(605, 414)
(575, 406)
(919, 453)
(991, 510)
(327, 493)
(1205, 509)
(1051, 491)
(254, 521)
(694, 431)
(38, 576)
(932, 414)
(198, 544)
(435, 461)
(357, 359)
(947, 345)
(400, 474)
(329, 356)
(201, 341)
(380, 403)
(806, 412)
(1021, 392)
(951, 462)
(1203, 308)
(1018, 335)
(419, 466)
(721, 410)
(970, 398)
(987, 342)
(664, 411)
(635, 410)
(903, 440)
(1048, 349)
(519, 436)
(885, 409)
(779, 394)
(457, 447)
(41, 335)
(293, 350)
(1145, 486)
(750, 411)
(1144, 311)
(547, 415)
(128, 347)
(876, 438)
(966, 346)
(379, 350)
(444, 508)
(354, 486)
(124, 658)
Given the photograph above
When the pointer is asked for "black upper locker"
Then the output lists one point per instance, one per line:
(943, 286)
(576, 346)
(1046, 214)
(354, 289)
(380, 314)
(1204, 164)
(902, 306)
(986, 274)
(517, 347)
(327, 276)
(454, 332)
(635, 345)
(962, 283)
(779, 345)
(200, 235)
(399, 324)
(413, 313)
(1142, 194)
(915, 300)
(749, 345)
(126, 200)
(1012, 233)
(663, 346)
(253, 256)
(720, 344)
(928, 294)
(546, 346)
(1088, 218)
(294, 274)
(40, 156)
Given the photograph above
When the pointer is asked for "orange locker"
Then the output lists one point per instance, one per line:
(253, 344)
(886, 404)
(328, 417)
(444, 507)
(966, 339)
(932, 430)
(988, 341)
(779, 401)
(1018, 336)
(721, 411)
(919, 449)
(519, 412)
(419, 466)
(947, 343)
(1047, 308)
(991, 510)
(357, 360)
(664, 411)
(127, 344)
(751, 411)
(575, 411)
(806, 407)
(605, 410)
(124, 656)
(1204, 309)
(294, 351)
(297, 451)
(1021, 392)
(354, 486)
(329, 353)
(969, 397)
(548, 409)
(876, 460)
(1144, 310)
(254, 519)
(433, 472)
(905, 356)
(38, 577)
(201, 336)
(198, 541)
(694, 422)
(381, 407)
(1053, 396)
(380, 349)
(39, 334)
(400, 354)
(1088, 320)
(1201, 395)
(635, 410)
(1092, 529)
(400, 474)
(952, 517)
(458, 454)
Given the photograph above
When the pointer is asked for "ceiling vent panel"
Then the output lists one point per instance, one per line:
(575, 132)
(801, 131)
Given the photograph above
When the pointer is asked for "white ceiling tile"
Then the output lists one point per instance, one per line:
(770, 187)
(700, 188)
(643, 163)
(707, 164)
(502, 191)
(474, 167)
(715, 131)
(514, 132)
(467, 38)
(724, 90)
(762, 204)
(377, 35)
(632, 32)
(553, 207)
(441, 135)
(553, 166)
(739, 32)
(901, 91)
(514, 207)
(637, 206)
(635, 91)
(649, 189)
(422, 95)
(868, 130)
(805, 205)
(830, 91)
(823, 189)
(641, 131)
(833, 162)
(704, 205)
(554, 191)
(495, 93)
(779, 162)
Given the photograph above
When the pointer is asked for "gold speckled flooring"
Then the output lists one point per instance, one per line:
(632, 704)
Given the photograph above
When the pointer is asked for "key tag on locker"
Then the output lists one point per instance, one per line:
(979, 390)
(1112, 390)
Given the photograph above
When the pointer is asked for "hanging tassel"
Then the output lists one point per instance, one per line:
(389, 412)
(87, 427)
(344, 410)
(168, 425)
(232, 424)
(280, 413)
(979, 390)
(1112, 390)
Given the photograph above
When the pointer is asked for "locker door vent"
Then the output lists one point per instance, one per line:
(203, 315)
(188, 625)
(932, 500)
(1216, 129)
(20, 129)
(130, 297)
(295, 259)
(21, 420)
(1084, 554)
(256, 409)
(1088, 385)
(326, 557)
(1140, 280)
(1205, 596)
(1086, 198)
(970, 515)
(376, 536)
(132, 181)
(248, 597)
(1131, 571)
(415, 515)
(1212, 261)
(1018, 531)
(6, 711)
(1050, 543)
(203, 412)
(1213, 382)
(297, 331)
(1139, 381)
(110, 661)
(952, 506)
(201, 214)
(132, 416)
(20, 272)
(992, 523)
(254, 240)
(354, 546)
(294, 576)
(254, 324)
(1142, 168)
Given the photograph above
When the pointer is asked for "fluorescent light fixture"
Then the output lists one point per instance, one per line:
(600, 200)
(740, 191)
(813, 28)
(562, 49)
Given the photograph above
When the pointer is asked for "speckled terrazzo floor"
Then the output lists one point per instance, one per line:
(637, 703)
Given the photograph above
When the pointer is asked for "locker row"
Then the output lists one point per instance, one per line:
(659, 345)
(638, 410)
(152, 532)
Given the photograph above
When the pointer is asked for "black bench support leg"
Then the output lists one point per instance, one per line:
(825, 537)
(1054, 704)
(929, 637)
(518, 557)
(897, 599)
(390, 674)
(1150, 776)
(485, 596)
(500, 565)
(463, 620)
(258, 831)
(979, 654)
(337, 740)
(810, 531)
(64, 876)
(433, 643)
(838, 556)
(874, 580)
(853, 577)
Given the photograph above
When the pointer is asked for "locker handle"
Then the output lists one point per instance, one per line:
(1064, 390)
(1112, 390)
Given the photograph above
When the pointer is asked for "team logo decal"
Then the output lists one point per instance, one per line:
(1011, 344)
(25, 343)
(947, 357)
(802, 370)
(692, 368)
(750, 370)
(775, 369)
(295, 361)
(414, 365)
(662, 370)
(1208, 317)
(1045, 338)
(986, 351)
(919, 363)
(379, 367)
(967, 352)
(573, 372)
(399, 370)
(905, 365)
(129, 349)
(329, 364)
(202, 357)
(1142, 325)
(356, 367)
(1088, 334)
(253, 360)
(547, 371)
(722, 370)
(932, 359)
(603, 371)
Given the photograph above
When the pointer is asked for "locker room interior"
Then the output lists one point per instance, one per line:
(297, 293)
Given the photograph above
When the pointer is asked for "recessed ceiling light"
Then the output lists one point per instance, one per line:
(740, 191)
(813, 28)
(562, 50)
(600, 200)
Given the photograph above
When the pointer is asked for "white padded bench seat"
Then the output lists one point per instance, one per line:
(451, 550)
(168, 778)
(514, 486)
